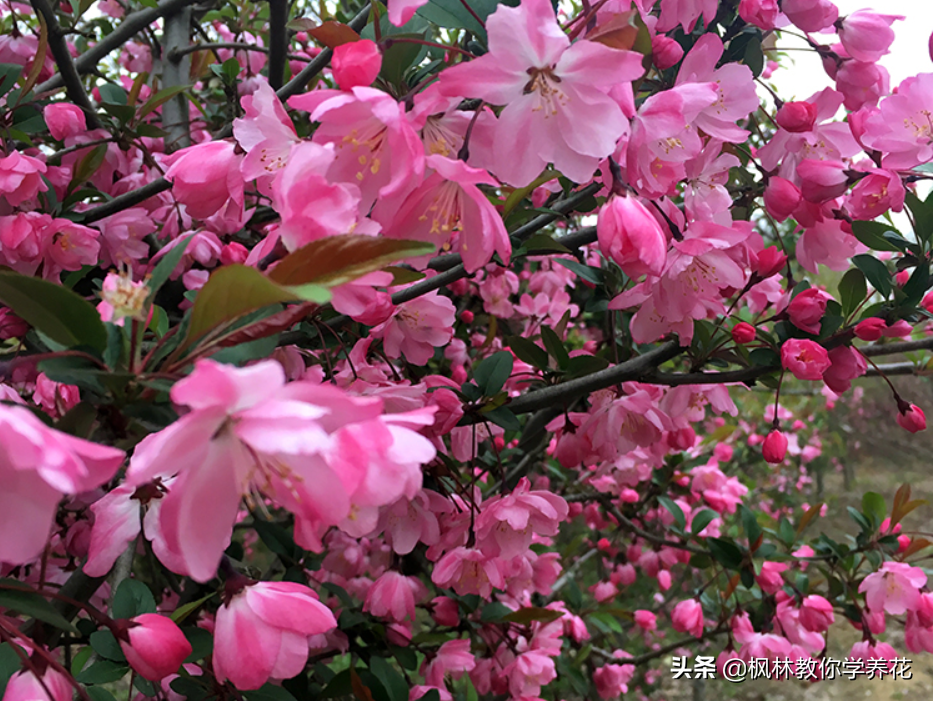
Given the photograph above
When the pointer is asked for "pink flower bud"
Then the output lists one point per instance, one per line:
(770, 262)
(806, 359)
(912, 419)
(775, 447)
(796, 117)
(682, 439)
(816, 613)
(466, 316)
(11, 326)
(446, 612)
(26, 686)
(866, 35)
(233, 252)
(631, 236)
(807, 309)
(646, 620)
(761, 13)
(811, 15)
(64, 120)
(665, 52)
(156, 646)
(821, 181)
(870, 329)
(743, 333)
(687, 617)
(356, 64)
(781, 198)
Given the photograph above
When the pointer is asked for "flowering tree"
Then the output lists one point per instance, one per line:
(398, 352)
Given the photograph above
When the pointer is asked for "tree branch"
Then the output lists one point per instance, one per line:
(278, 42)
(125, 201)
(66, 67)
(132, 24)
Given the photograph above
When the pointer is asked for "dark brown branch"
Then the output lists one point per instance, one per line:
(125, 201)
(136, 22)
(278, 42)
(66, 67)
(898, 347)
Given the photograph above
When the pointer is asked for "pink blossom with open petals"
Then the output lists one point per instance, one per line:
(205, 177)
(267, 135)
(506, 524)
(418, 327)
(38, 465)
(262, 632)
(393, 596)
(900, 128)
(686, 13)
(878, 192)
(26, 686)
(450, 211)
(806, 359)
(555, 93)
(469, 571)
(894, 589)
(21, 178)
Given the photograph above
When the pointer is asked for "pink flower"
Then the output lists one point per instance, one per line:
(769, 262)
(68, 247)
(797, 116)
(417, 328)
(468, 571)
(11, 326)
(505, 525)
(875, 194)
(806, 359)
(21, 178)
(206, 177)
(26, 686)
(312, 207)
(156, 646)
(862, 83)
(774, 447)
(121, 299)
(401, 11)
(806, 310)
(612, 680)
(64, 120)
(392, 596)
(646, 620)
(847, 364)
(38, 465)
(685, 13)
(665, 52)
(356, 63)
(870, 329)
(687, 617)
(770, 579)
(761, 13)
(912, 419)
(743, 333)
(900, 128)
(375, 145)
(453, 658)
(555, 93)
(449, 207)
(816, 613)
(821, 180)
(866, 35)
(810, 15)
(894, 589)
(262, 631)
(267, 135)
(311, 448)
(630, 236)
(781, 197)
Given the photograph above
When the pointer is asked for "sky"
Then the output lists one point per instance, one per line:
(909, 53)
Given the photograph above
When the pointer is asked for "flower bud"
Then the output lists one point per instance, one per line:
(156, 646)
(665, 52)
(781, 198)
(743, 333)
(775, 447)
(629, 235)
(64, 120)
(356, 64)
(912, 419)
(796, 117)
(806, 310)
(770, 262)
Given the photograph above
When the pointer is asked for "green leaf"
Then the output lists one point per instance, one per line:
(581, 365)
(276, 538)
(103, 672)
(182, 612)
(871, 233)
(112, 93)
(268, 692)
(502, 416)
(400, 56)
(701, 520)
(493, 372)
(494, 611)
(21, 598)
(159, 99)
(873, 506)
(202, 643)
(555, 347)
(750, 524)
(586, 272)
(923, 215)
(875, 271)
(725, 552)
(860, 519)
(10, 664)
(675, 511)
(55, 310)
(99, 693)
(106, 646)
(132, 599)
(528, 351)
(389, 677)
(334, 260)
(9, 73)
(451, 14)
(852, 290)
(231, 292)
(165, 267)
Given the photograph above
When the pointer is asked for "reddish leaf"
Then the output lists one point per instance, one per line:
(332, 34)
(812, 513)
(276, 323)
